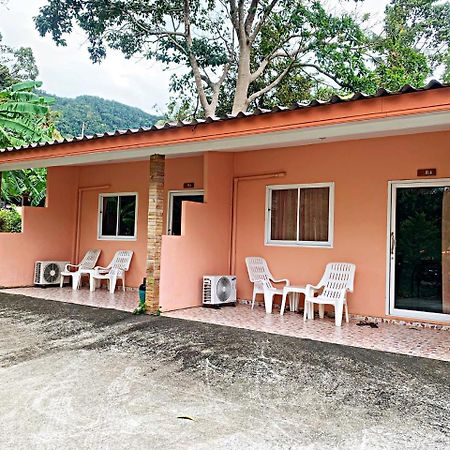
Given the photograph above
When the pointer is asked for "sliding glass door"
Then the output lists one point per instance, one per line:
(419, 248)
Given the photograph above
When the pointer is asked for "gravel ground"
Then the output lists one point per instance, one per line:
(86, 378)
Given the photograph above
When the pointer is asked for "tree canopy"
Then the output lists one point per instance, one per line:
(96, 115)
(16, 64)
(243, 53)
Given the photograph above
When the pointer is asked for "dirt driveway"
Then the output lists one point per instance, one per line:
(74, 377)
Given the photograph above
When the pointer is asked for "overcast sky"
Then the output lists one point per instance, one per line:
(67, 71)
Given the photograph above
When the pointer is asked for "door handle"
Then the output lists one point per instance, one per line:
(393, 242)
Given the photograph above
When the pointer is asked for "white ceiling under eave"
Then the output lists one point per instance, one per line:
(359, 129)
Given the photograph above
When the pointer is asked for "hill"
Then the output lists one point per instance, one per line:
(97, 114)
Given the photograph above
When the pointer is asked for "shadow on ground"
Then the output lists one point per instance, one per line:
(79, 377)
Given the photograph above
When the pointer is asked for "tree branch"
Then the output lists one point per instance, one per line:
(193, 60)
(154, 32)
(234, 15)
(160, 33)
(327, 74)
(241, 19)
(277, 53)
(250, 16)
(263, 19)
(273, 84)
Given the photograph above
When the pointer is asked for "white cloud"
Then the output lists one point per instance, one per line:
(67, 71)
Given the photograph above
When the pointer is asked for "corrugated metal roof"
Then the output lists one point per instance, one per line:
(433, 84)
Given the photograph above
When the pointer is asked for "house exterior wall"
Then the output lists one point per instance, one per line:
(129, 177)
(47, 232)
(361, 171)
(204, 246)
(50, 233)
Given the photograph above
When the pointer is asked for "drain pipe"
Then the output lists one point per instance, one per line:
(236, 180)
(76, 247)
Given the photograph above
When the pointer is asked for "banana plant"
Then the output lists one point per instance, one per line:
(18, 184)
(25, 117)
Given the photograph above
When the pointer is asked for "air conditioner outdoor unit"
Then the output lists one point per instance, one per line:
(48, 272)
(219, 290)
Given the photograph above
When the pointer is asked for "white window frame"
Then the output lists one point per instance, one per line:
(297, 243)
(100, 237)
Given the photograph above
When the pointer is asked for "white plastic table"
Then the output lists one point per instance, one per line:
(295, 292)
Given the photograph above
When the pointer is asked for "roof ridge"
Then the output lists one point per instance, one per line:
(335, 98)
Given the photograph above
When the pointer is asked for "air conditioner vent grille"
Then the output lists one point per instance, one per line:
(219, 289)
(48, 272)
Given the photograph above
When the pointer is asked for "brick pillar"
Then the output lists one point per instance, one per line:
(154, 231)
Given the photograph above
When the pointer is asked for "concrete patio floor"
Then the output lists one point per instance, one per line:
(101, 298)
(389, 337)
(74, 377)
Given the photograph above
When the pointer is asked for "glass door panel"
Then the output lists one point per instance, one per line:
(420, 249)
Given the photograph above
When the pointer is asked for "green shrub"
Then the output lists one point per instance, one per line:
(10, 221)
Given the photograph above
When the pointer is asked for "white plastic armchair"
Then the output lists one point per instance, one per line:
(337, 280)
(114, 271)
(76, 271)
(262, 279)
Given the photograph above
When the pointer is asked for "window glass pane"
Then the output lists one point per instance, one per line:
(127, 215)
(284, 215)
(109, 216)
(313, 220)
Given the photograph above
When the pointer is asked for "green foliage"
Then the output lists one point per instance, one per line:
(17, 184)
(16, 64)
(97, 114)
(141, 309)
(297, 50)
(10, 221)
(312, 42)
(24, 116)
(419, 222)
(414, 44)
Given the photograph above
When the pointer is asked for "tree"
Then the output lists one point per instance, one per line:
(16, 64)
(25, 117)
(414, 43)
(253, 45)
(242, 53)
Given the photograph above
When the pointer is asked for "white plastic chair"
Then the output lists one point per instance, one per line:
(76, 271)
(114, 271)
(337, 280)
(261, 277)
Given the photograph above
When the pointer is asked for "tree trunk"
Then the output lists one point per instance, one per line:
(210, 110)
(240, 101)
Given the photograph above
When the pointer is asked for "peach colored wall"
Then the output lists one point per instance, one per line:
(178, 172)
(361, 171)
(129, 177)
(126, 177)
(204, 245)
(47, 232)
